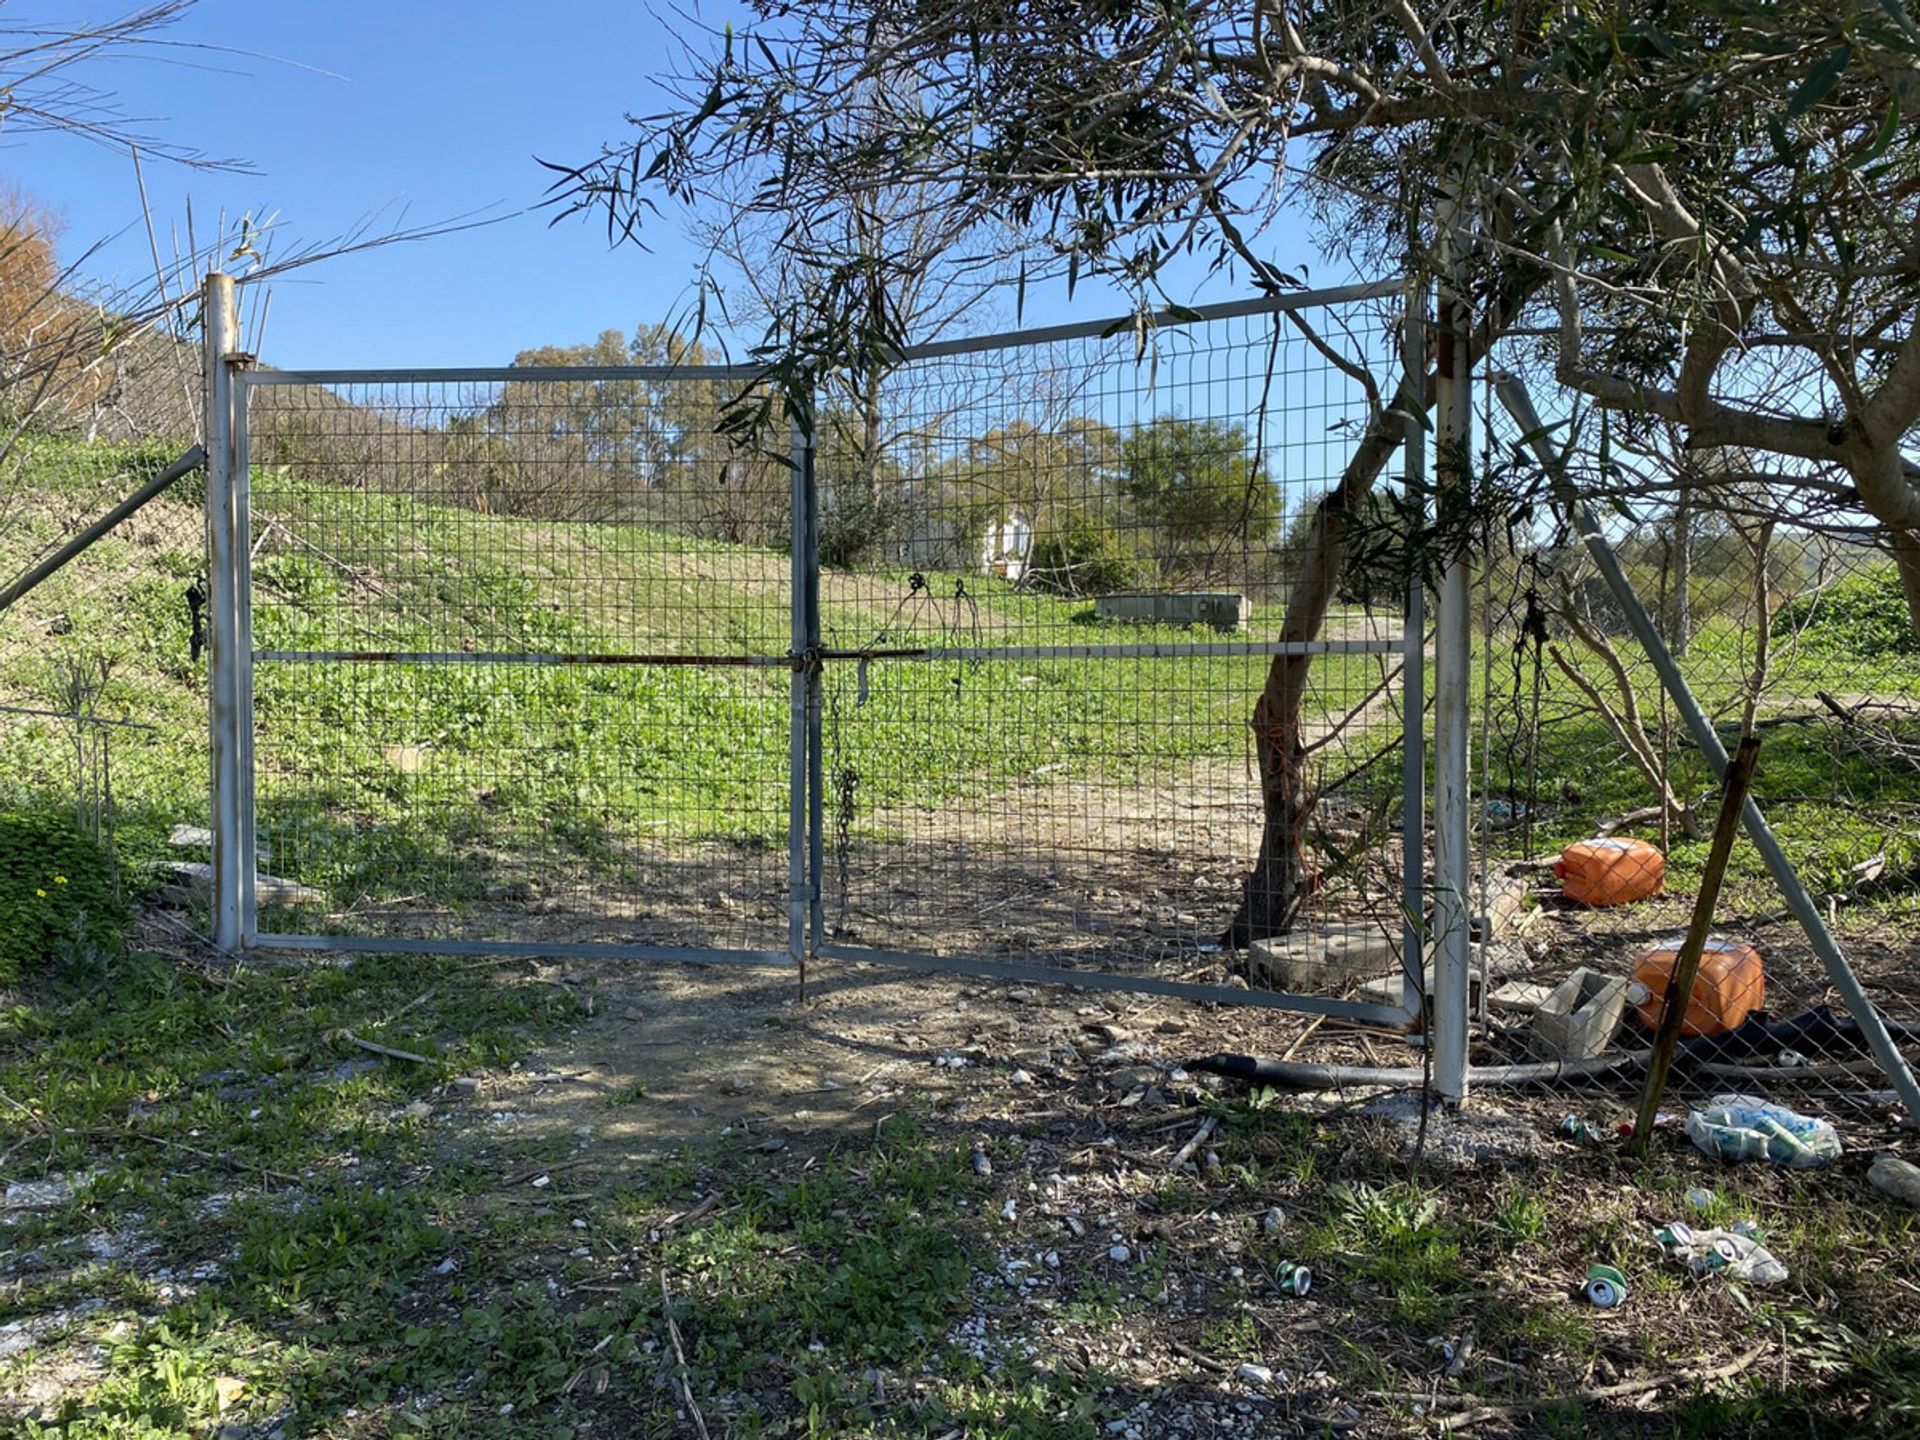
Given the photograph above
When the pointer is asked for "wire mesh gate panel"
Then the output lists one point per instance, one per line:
(541, 663)
(521, 664)
(1054, 567)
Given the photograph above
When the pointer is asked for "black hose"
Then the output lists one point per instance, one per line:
(1818, 1031)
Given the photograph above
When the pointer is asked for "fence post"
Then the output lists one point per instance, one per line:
(220, 323)
(799, 720)
(1413, 717)
(816, 695)
(1452, 774)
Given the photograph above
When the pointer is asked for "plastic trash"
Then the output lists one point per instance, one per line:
(1610, 872)
(1742, 1127)
(1730, 986)
(1721, 1252)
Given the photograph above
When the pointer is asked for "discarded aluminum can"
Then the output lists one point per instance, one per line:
(1606, 1287)
(1676, 1236)
(1294, 1279)
(1572, 1127)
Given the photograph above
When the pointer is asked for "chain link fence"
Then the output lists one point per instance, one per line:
(1594, 802)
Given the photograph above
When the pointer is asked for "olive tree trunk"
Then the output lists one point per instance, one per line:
(1281, 877)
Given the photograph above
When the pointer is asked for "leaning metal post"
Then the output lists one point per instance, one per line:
(227, 796)
(1452, 641)
(1513, 395)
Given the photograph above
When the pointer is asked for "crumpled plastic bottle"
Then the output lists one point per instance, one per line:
(1744, 1127)
(1721, 1252)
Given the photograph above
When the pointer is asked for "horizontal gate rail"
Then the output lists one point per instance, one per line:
(510, 657)
(1162, 319)
(1149, 650)
(491, 374)
(532, 949)
(933, 653)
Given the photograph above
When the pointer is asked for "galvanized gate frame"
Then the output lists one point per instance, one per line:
(236, 927)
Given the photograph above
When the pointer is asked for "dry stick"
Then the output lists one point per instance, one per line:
(1686, 965)
(1301, 1039)
(232, 1160)
(680, 1355)
(700, 1211)
(1207, 1127)
(1460, 1421)
(1205, 1362)
(581, 1373)
(387, 1050)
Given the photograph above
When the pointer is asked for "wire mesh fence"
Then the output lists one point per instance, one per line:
(1058, 568)
(544, 659)
(522, 663)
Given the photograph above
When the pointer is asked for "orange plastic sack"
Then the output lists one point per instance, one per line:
(1610, 872)
(1730, 986)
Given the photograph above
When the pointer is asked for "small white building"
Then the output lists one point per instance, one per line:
(1007, 545)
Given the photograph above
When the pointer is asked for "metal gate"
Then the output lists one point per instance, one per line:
(533, 661)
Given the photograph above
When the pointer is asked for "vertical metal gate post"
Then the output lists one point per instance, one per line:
(808, 597)
(220, 324)
(241, 487)
(1413, 676)
(1452, 639)
(806, 663)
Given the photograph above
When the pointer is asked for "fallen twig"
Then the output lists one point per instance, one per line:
(1205, 1362)
(581, 1373)
(1200, 1136)
(387, 1050)
(1460, 1421)
(680, 1355)
(417, 1001)
(1305, 1035)
(233, 1160)
(700, 1211)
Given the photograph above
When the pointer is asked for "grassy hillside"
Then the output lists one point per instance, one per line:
(388, 779)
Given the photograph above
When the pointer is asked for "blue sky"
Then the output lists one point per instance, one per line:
(433, 108)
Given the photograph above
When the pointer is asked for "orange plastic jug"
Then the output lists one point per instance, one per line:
(1610, 872)
(1731, 985)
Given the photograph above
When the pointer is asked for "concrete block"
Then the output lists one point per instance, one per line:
(1316, 962)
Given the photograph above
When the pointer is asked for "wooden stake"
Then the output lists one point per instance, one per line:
(1686, 965)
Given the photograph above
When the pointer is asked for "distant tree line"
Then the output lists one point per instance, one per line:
(1169, 501)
